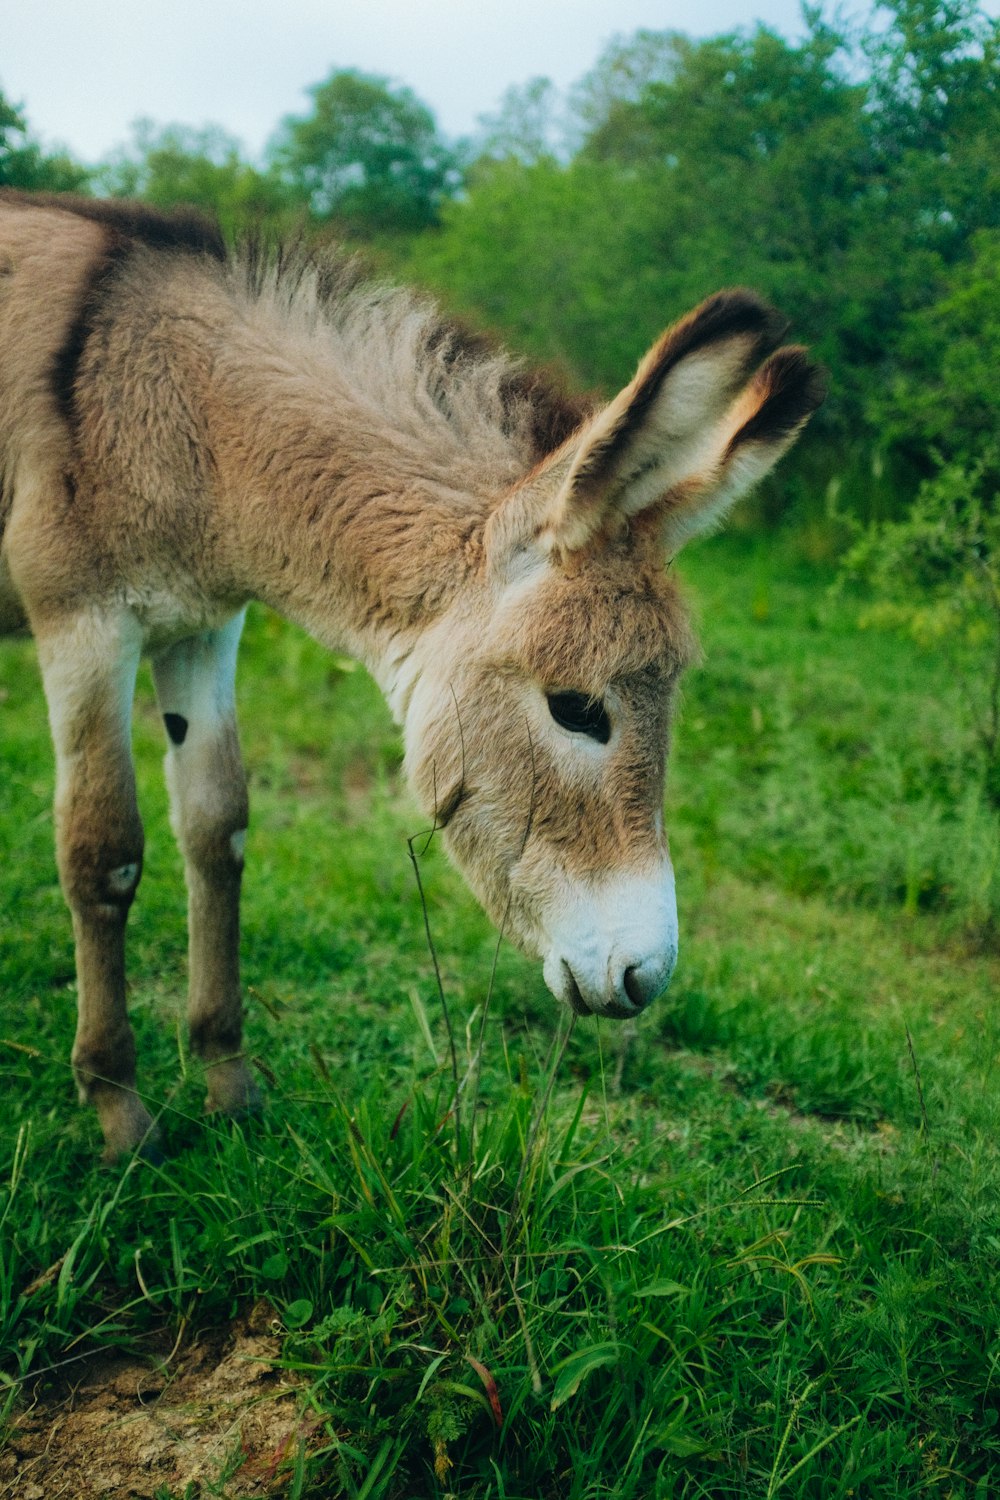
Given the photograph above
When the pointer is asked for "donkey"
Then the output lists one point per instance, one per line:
(184, 430)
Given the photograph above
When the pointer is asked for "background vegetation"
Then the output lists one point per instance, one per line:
(853, 177)
(752, 1248)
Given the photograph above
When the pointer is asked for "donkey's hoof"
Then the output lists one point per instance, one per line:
(241, 1113)
(147, 1150)
(233, 1091)
(129, 1129)
(152, 1153)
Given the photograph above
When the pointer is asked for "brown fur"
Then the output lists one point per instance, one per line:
(182, 432)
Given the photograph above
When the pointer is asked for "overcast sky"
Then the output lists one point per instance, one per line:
(85, 69)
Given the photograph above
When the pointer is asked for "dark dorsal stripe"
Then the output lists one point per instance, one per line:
(129, 226)
(177, 727)
(67, 360)
(181, 228)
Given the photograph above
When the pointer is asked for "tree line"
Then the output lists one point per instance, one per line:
(852, 176)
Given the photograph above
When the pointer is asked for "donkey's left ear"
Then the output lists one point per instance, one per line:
(702, 421)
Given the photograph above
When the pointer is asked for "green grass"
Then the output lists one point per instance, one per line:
(751, 1249)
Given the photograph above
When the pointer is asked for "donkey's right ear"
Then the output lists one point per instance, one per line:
(696, 426)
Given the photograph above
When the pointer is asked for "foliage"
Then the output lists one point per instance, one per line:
(593, 257)
(368, 156)
(852, 177)
(936, 573)
(176, 164)
(934, 88)
(617, 84)
(942, 399)
(25, 165)
(650, 215)
(539, 252)
(524, 128)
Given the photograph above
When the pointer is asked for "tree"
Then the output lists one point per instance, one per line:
(936, 574)
(736, 160)
(178, 164)
(604, 101)
(943, 397)
(367, 156)
(525, 127)
(848, 176)
(23, 163)
(934, 120)
(565, 260)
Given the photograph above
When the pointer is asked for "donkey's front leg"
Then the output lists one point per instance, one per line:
(208, 808)
(88, 667)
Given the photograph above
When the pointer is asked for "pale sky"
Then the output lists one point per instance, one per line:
(85, 69)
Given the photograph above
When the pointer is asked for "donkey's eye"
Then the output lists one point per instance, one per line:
(581, 715)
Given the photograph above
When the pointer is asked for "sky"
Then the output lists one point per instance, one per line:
(83, 70)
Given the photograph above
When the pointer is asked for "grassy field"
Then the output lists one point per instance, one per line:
(749, 1248)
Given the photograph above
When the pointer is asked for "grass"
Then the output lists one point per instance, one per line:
(750, 1249)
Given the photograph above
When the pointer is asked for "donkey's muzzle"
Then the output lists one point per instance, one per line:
(615, 950)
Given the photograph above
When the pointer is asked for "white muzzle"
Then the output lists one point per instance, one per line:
(613, 947)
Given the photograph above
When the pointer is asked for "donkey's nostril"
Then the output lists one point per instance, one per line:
(639, 987)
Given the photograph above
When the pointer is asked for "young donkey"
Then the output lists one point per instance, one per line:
(182, 431)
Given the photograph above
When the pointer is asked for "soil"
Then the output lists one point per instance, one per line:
(216, 1418)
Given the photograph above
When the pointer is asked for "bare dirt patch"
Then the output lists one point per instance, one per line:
(218, 1418)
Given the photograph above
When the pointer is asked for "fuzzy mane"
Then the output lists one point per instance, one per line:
(449, 391)
(469, 414)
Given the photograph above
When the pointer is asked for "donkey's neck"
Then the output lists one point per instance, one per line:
(345, 534)
(358, 444)
(340, 515)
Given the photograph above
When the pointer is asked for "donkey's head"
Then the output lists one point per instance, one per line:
(537, 733)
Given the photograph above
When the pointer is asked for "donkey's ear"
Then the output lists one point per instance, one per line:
(697, 426)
